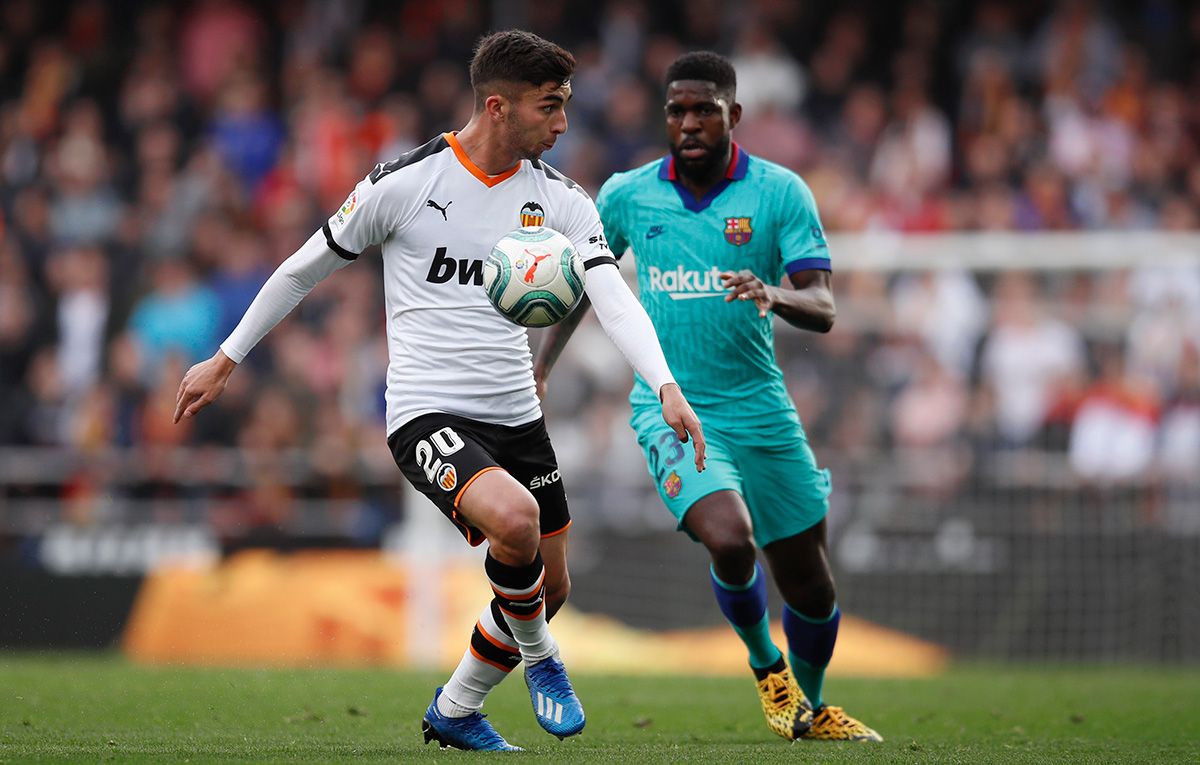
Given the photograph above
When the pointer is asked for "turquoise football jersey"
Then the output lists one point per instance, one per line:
(761, 217)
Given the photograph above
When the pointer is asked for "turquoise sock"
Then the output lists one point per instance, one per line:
(763, 652)
(810, 679)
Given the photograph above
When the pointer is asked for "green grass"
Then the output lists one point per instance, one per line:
(86, 708)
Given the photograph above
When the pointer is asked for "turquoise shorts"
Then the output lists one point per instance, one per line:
(773, 469)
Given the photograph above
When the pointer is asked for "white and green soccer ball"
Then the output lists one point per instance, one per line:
(533, 276)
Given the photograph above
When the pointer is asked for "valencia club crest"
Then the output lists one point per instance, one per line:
(532, 214)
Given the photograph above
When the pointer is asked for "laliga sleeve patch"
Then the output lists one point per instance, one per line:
(345, 211)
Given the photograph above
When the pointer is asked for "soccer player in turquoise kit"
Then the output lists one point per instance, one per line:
(714, 229)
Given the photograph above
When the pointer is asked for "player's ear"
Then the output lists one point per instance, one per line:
(735, 115)
(496, 107)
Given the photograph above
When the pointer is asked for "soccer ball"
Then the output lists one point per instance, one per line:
(534, 276)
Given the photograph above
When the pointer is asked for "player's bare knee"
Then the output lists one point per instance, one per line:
(813, 596)
(732, 552)
(824, 597)
(514, 532)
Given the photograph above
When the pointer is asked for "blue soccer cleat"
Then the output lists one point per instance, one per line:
(554, 701)
(472, 732)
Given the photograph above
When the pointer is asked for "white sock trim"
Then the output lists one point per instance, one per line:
(487, 622)
(469, 686)
(449, 708)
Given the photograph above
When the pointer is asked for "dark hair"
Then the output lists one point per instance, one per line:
(705, 66)
(516, 56)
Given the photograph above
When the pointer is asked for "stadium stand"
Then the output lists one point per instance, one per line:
(1015, 447)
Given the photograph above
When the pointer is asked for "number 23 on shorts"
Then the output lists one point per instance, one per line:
(665, 454)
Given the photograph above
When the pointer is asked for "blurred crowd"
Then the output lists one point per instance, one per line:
(158, 160)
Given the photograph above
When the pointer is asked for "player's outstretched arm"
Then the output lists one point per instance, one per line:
(808, 306)
(553, 342)
(627, 325)
(294, 279)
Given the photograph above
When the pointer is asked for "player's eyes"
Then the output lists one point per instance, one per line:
(676, 113)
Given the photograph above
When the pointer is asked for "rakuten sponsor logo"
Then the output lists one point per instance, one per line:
(681, 284)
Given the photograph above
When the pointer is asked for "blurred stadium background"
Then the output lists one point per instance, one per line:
(1010, 401)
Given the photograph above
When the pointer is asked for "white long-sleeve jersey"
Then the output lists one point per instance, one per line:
(437, 216)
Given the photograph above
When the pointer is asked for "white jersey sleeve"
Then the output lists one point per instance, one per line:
(580, 221)
(586, 232)
(620, 314)
(372, 212)
(367, 217)
(294, 279)
(626, 323)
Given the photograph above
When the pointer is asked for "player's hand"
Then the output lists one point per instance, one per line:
(677, 413)
(744, 285)
(202, 384)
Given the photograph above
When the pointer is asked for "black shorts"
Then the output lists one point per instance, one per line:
(442, 454)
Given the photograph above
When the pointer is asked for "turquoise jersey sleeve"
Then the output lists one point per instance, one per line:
(608, 204)
(802, 242)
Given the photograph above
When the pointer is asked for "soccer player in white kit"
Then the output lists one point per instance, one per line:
(463, 418)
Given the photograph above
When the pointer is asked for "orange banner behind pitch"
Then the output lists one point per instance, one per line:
(261, 607)
(266, 608)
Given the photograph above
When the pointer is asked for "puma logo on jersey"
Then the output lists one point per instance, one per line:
(439, 208)
(444, 268)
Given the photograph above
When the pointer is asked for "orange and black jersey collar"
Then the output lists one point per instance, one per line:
(475, 170)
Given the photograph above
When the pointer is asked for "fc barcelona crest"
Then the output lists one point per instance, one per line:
(532, 214)
(738, 231)
(673, 485)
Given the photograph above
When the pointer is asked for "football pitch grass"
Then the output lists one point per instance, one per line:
(100, 708)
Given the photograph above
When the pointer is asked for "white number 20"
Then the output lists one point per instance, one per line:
(446, 441)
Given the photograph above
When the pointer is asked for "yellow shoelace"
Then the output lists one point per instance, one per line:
(775, 687)
(839, 716)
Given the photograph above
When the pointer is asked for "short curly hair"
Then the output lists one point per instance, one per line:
(517, 56)
(705, 66)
